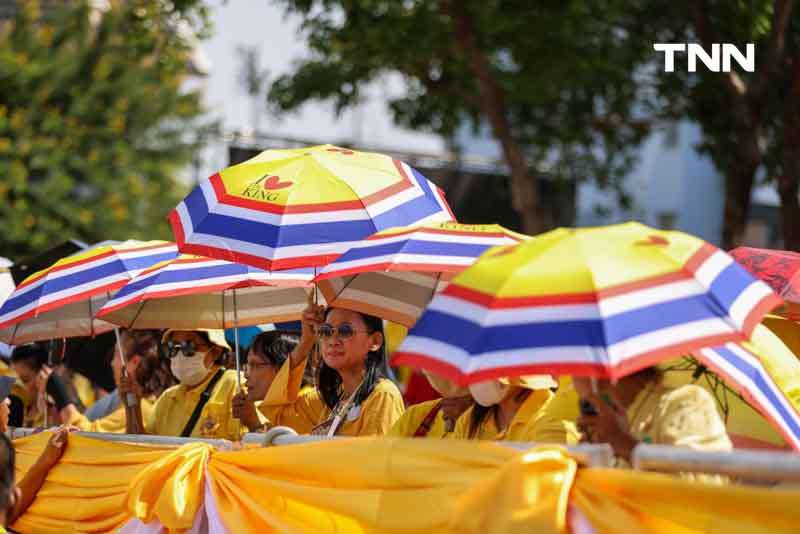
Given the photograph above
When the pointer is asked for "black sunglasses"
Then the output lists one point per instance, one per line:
(344, 331)
(187, 347)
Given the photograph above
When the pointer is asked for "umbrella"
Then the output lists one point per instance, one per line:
(61, 300)
(196, 292)
(780, 269)
(602, 302)
(742, 366)
(302, 207)
(394, 274)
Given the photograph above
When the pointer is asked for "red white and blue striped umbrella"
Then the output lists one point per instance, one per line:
(302, 207)
(62, 300)
(394, 274)
(601, 302)
(196, 292)
(744, 371)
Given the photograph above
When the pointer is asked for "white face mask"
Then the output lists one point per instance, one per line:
(189, 370)
(488, 393)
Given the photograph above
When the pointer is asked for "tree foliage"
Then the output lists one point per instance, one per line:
(553, 79)
(94, 122)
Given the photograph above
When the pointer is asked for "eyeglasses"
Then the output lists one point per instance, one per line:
(344, 331)
(249, 367)
(188, 348)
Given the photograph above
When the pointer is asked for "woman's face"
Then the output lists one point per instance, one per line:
(348, 352)
(132, 361)
(259, 374)
(27, 376)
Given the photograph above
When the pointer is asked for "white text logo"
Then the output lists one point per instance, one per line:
(718, 61)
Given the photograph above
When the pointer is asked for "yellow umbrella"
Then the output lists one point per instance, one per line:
(786, 329)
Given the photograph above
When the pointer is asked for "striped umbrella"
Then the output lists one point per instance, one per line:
(197, 292)
(394, 274)
(601, 302)
(62, 300)
(302, 207)
(740, 367)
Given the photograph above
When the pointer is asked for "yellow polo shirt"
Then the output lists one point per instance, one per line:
(285, 405)
(533, 422)
(113, 422)
(174, 407)
(685, 416)
(409, 422)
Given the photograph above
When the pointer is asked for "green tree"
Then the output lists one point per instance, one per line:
(750, 121)
(554, 80)
(94, 122)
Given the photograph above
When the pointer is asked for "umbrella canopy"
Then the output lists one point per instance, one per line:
(746, 367)
(302, 207)
(197, 292)
(780, 269)
(394, 274)
(602, 302)
(62, 300)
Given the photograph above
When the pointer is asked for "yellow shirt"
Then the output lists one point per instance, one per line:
(174, 407)
(533, 422)
(286, 405)
(409, 422)
(84, 388)
(113, 422)
(685, 416)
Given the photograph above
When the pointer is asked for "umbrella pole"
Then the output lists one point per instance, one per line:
(236, 342)
(44, 394)
(130, 398)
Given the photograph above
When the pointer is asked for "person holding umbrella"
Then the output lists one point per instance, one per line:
(353, 397)
(151, 373)
(200, 406)
(639, 408)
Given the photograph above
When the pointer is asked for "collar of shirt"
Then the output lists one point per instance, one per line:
(525, 413)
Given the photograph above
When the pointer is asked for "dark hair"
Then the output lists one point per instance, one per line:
(153, 374)
(7, 471)
(329, 381)
(480, 413)
(32, 354)
(275, 346)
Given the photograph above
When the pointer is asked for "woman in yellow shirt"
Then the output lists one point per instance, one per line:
(516, 409)
(353, 397)
(195, 357)
(435, 418)
(151, 377)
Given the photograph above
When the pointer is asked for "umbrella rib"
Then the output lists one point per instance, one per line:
(135, 317)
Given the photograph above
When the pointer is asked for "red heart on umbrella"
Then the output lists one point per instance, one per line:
(274, 182)
(653, 240)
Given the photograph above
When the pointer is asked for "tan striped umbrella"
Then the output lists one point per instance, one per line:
(395, 273)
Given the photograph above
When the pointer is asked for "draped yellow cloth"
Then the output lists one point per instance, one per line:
(380, 485)
(87, 490)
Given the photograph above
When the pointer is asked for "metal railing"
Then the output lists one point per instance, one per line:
(746, 465)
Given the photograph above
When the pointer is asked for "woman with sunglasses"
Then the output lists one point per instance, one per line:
(200, 406)
(151, 377)
(353, 397)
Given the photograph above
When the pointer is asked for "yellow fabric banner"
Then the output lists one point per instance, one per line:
(381, 486)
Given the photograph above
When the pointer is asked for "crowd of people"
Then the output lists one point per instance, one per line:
(331, 378)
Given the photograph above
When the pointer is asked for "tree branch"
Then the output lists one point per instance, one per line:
(781, 15)
(702, 24)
